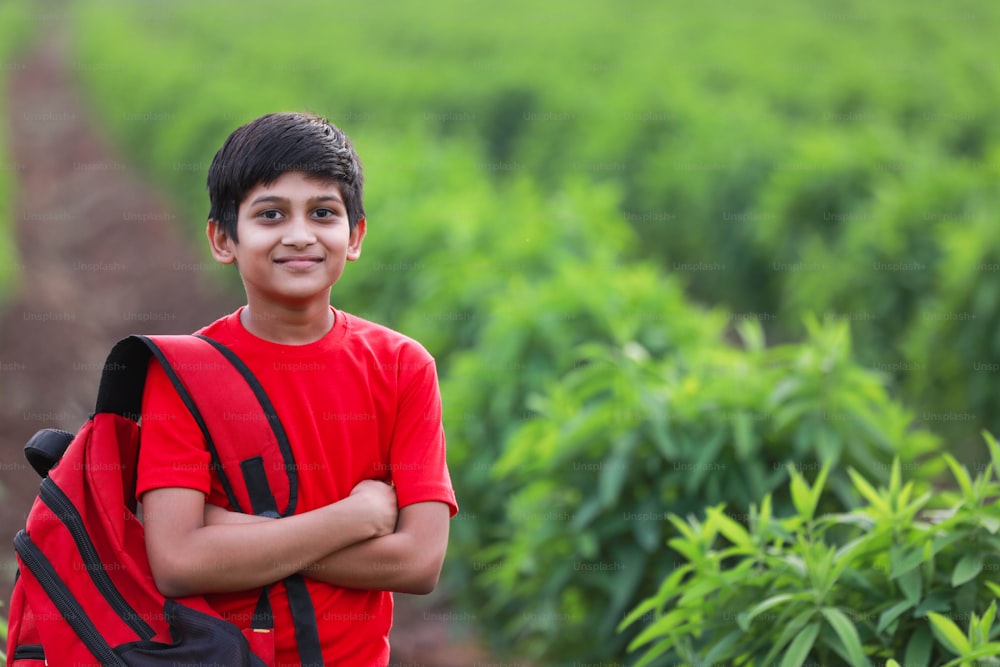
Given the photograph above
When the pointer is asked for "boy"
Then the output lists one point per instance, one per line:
(359, 402)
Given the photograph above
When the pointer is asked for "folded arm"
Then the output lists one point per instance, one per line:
(188, 556)
(408, 560)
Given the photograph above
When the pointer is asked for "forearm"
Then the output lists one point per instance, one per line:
(391, 563)
(248, 552)
(407, 561)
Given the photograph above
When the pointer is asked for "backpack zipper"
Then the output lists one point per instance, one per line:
(67, 605)
(54, 497)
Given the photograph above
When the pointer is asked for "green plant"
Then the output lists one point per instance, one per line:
(534, 335)
(629, 436)
(888, 578)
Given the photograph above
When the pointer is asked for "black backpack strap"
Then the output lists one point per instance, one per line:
(304, 614)
(227, 402)
(241, 427)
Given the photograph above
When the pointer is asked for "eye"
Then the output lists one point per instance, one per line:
(270, 214)
(325, 213)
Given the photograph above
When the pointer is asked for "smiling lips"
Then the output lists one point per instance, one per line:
(299, 262)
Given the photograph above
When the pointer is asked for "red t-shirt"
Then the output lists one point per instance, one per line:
(360, 403)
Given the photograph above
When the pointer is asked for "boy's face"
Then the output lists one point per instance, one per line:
(294, 239)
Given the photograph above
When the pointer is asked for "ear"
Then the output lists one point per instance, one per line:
(354, 242)
(220, 242)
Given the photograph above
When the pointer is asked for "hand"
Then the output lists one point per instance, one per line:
(380, 499)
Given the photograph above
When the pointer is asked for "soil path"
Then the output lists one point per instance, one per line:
(101, 255)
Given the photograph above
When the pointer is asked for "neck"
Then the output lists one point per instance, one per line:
(288, 325)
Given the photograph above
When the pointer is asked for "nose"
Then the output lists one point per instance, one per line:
(298, 232)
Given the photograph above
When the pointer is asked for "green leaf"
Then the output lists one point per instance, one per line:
(818, 485)
(798, 650)
(967, 568)
(949, 634)
(586, 513)
(891, 614)
(661, 439)
(895, 478)
(848, 635)
(942, 541)
(961, 475)
(743, 436)
(614, 472)
(903, 564)
(802, 496)
(744, 619)
(791, 629)
(647, 606)
(670, 624)
(989, 650)
(707, 461)
(911, 585)
(986, 623)
(698, 589)
(919, 649)
(689, 529)
(670, 588)
(991, 524)
(689, 550)
(994, 451)
(994, 588)
(785, 388)
(939, 601)
(761, 519)
(655, 652)
(869, 492)
(720, 648)
(752, 335)
(731, 530)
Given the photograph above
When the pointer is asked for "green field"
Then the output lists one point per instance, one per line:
(836, 159)
(636, 236)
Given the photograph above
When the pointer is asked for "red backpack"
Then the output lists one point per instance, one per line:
(84, 594)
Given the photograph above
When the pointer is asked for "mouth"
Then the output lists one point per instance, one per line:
(299, 262)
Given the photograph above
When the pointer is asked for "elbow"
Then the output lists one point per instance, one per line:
(424, 578)
(421, 585)
(172, 580)
(171, 587)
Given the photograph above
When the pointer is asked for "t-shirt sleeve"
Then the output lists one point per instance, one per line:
(417, 454)
(172, 451)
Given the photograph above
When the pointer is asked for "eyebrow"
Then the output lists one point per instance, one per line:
(275, 199)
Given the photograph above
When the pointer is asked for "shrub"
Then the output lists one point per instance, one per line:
(437, 272)
(914, 266)
(887, 579)
(628, 435)
(534, 336)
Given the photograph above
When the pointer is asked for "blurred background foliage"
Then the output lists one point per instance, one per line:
(661, 251)
(15, 19)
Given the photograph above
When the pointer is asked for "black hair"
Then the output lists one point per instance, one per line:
(259, 152)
